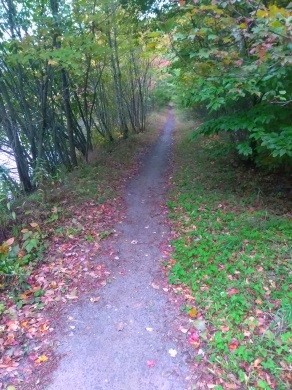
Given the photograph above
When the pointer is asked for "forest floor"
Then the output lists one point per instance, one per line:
(98, 312)
(166, 271)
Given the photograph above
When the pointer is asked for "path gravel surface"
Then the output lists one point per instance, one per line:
(128, 340)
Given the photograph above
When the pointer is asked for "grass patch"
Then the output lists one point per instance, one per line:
(233, 249)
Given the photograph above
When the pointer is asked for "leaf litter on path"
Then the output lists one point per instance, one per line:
(27, 323)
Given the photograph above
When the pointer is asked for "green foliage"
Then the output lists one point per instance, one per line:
(266, 139)
(233, 251)
(162, 94)
(17, 258)
(234, 58)
(68, 78)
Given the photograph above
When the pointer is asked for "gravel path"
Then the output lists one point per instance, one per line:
(133, 322)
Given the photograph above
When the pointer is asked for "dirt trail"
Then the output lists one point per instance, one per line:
(133, 322)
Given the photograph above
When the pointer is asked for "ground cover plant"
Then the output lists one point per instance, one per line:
(233, 250)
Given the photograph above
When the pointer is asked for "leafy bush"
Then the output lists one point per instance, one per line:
(235, 59)
(16, 257)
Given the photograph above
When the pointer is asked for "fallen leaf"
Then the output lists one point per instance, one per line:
(151, 363)
(172, 352)
(232, 291)
(233, 345)
(34, 224)
(12, 325)
(42, 359)
(194, 340)
(155, 286)
(183, 330)
(257, 362)
(224, 328)
(193, 312)
(9, 242)
(93, 300)
(245, 366)
(44, 328)
(71, 296)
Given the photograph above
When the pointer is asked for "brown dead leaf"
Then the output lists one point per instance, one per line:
(257, 362)
(34, 224)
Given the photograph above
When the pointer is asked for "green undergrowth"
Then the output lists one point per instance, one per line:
(234, 251)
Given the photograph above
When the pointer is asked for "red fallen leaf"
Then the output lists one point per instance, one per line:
(10, 340)
(232, 291)
(245, 366)
(151, 363)
(194, 340)
(233, 345)
(32, 357)
(12, 325)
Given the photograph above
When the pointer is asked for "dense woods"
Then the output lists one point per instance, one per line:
(75, 73)
(71, 73)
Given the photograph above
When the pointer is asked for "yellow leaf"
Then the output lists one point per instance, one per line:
(276, 24)
(42, 359)
(262, 13)
(24, 230)
(193, 312)
(242, 25)
(274, 10)
(52, 62)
